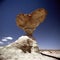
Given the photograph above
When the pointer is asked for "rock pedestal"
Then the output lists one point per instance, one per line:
(25, 44)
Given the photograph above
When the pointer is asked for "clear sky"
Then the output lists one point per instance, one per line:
(47, 34)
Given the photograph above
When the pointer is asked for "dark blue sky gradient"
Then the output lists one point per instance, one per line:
(47, 34)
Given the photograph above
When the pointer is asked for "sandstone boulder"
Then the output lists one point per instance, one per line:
(29, 22)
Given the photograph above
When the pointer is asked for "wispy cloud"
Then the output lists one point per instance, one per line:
(1, 42)
(4, 39)
(7, 38)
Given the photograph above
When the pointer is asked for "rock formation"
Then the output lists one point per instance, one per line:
(26, 44)
(25, 47)
(29, 22)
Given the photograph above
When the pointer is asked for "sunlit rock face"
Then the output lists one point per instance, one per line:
(29, 22)
(14, 51)
(26, 44)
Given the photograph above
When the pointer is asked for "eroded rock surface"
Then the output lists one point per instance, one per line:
(29, 22)
(14, 52)
(26, 44)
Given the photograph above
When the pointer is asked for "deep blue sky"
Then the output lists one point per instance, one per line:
(47, 34)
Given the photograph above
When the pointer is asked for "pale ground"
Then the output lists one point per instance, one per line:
(13, 53)
(10, 53)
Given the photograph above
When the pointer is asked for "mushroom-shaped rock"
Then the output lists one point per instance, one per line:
(29, 22)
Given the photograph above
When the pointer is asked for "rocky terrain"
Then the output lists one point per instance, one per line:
(14, 51)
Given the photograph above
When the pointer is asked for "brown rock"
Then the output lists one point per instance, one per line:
(29, 22)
